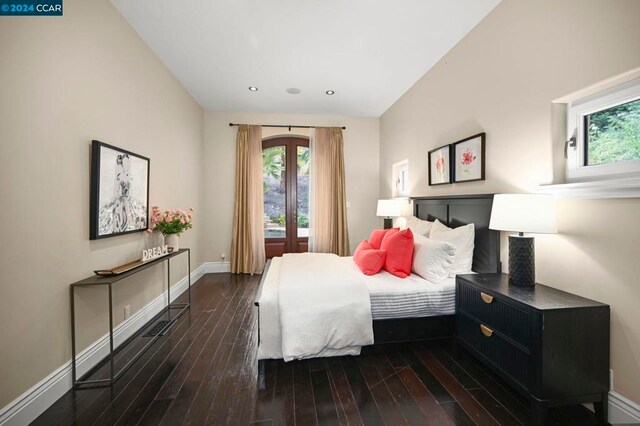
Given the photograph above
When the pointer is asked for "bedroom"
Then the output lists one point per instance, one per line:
(95, 73)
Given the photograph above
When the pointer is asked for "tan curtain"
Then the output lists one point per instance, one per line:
(328, 222)
(247, 247)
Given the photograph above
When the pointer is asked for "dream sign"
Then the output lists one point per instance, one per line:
(154, 253)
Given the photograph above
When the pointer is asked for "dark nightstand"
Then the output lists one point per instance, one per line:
(550, 345)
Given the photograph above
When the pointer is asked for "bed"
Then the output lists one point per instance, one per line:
(415, 310)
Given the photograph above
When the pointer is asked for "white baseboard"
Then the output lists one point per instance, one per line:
(622, 411)
(28, 406)
(217, 267)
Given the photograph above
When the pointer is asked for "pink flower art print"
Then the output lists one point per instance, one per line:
(440, 162)
(468, 157)
(440, 165)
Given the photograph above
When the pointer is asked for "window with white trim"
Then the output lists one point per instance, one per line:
(401, 179)
(604, 134)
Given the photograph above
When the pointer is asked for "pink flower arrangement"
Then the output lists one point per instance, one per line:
(170, 222)
(468, 157)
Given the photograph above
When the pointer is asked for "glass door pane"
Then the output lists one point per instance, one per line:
(275, 191)
(303, 191)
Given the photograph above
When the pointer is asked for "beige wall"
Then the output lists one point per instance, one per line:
(501, 79)
(361, 148)
(65, 81)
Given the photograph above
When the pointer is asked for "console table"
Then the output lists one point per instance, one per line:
(109, 281)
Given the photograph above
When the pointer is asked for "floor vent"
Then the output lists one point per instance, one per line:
(156, 329)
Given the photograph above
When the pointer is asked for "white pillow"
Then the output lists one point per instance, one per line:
(432, 259)
(463, 240)
(417, 226)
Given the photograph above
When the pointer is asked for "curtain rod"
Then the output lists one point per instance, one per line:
(290, 126)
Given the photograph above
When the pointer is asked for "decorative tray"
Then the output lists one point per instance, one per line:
(125, 268)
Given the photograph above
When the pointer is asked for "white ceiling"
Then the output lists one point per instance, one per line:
(369, 51)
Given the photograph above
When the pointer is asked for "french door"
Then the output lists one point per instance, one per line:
(285, 174)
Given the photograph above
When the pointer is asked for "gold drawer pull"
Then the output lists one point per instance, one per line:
(486, 330)
(486, 298)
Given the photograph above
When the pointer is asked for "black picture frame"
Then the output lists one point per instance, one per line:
(122, 178)
(457, 166)
(433, 181)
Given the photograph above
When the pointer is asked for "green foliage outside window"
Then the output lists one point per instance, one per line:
(614, 134)
(272, 164)
(303, 221)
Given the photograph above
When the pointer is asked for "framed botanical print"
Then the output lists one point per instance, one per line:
(119, 191)
(440, 165)
(468, 159)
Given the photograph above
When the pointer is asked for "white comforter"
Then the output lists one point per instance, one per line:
(323, 307)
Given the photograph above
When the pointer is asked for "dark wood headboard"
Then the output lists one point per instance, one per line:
(458, 210)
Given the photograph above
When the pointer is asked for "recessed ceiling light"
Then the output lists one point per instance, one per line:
(253, 88)
(293, 90)
(329, 92)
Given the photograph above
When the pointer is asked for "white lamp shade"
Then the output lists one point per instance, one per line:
(391, 208)
(534, 213)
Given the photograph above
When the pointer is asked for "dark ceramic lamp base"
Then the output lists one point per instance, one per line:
(522, 263)
(388, 223)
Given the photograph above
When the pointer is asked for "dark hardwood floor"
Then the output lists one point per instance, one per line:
(204, 371)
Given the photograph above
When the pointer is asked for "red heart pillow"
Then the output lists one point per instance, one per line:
(399, 248)
(369, 261)
(377, 235)
(364, 245)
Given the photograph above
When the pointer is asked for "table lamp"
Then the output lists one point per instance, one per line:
(389, 209)
(530, 213)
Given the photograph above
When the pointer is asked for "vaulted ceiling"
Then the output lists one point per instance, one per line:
(368, 51)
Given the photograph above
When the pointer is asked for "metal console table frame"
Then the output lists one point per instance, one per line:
(109, 281)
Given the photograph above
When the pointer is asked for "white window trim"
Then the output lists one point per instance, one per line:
(576, 111)
(600, 189)
(397, 170)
